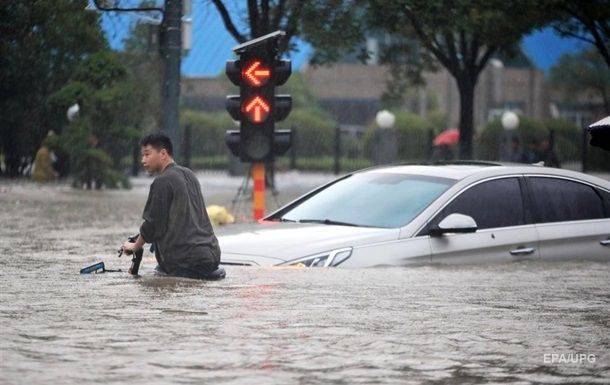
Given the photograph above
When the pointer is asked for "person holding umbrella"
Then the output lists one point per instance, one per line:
(443, 144)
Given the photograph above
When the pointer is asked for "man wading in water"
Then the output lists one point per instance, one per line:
(175, 219)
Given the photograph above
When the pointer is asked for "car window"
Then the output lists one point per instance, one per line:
(375, 199)
(495, 203)
(606, 197)
(558, 200)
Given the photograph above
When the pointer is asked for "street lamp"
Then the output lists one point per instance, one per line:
(510, 120)
(72, 112)
(385, 119)
(385, 138)
(509, 150)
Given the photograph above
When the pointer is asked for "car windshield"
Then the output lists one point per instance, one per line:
(372, 199)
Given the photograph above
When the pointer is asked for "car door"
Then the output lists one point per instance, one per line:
(504, 231)
(571, 219)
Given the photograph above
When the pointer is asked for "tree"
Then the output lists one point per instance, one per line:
(582, 74)
(142, 59)
(333, 27)
(101, 136)
(461, 36)
(41, 43)
(588, 21)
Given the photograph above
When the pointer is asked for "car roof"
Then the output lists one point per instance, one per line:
(459, 170)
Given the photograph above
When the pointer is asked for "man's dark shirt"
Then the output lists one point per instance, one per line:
(176, 221)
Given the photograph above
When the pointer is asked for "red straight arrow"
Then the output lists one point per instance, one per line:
(259, 107)
(255, 74)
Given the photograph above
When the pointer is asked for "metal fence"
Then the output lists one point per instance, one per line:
(345, 148)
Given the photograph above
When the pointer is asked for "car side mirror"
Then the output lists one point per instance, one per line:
(454, 223)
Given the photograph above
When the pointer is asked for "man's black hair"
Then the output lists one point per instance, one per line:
(159, 141)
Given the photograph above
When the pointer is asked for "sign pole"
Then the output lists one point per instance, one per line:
(258, 192)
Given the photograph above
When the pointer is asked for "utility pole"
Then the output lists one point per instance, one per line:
(170, 51)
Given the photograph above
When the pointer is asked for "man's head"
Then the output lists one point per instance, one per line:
(157, 152)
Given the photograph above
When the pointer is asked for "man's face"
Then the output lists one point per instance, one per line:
(153, 159)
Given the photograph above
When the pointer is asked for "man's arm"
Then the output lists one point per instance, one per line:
(155, 216)
(156, 211)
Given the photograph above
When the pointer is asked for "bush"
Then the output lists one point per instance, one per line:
(568, 141)
(89, 163)
(207, 131)
(488, 144)
(315, 131)
(213, 162)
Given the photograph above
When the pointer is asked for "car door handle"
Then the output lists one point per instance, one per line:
(522, 251)
(605, 242)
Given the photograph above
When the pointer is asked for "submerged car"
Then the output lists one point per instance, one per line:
(420, 214)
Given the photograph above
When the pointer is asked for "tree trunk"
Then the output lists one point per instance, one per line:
(466, 88)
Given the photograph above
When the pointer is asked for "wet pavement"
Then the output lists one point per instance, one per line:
(519, 323)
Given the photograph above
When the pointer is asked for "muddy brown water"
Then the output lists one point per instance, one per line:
(519, 323)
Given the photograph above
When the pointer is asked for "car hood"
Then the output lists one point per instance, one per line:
(277, 242)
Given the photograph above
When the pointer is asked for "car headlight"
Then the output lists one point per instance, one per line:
(327, 259)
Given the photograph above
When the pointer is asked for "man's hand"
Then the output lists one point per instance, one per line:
(131, 247)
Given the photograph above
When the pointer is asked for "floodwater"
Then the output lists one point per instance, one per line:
(519, 323)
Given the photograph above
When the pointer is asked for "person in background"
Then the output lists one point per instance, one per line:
(45, 158)
(547, 154)
(515, 154)
(531, 154)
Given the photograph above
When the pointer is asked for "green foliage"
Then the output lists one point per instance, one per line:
(584, 74)
(333, 28)
(143, 62)
(412, 132)
(41, 45)
(315, 131)
(207, 131)
(568, 139)
(488, 146)
(588, 21)
(438, 121)
(88, 164)
(302, 95)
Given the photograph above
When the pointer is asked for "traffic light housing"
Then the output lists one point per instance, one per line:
(257, 72)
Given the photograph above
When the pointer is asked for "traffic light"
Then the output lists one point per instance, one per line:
(257, 72)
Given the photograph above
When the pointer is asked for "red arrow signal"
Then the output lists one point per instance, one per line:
(256, 74)
(257, 109)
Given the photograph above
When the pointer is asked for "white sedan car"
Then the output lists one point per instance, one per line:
(451, 213)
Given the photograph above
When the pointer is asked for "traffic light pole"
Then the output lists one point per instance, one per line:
(258, 192)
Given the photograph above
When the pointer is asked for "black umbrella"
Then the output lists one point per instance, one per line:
(600, 133)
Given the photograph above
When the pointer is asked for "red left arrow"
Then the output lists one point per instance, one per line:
(256, 74)
(257, 109)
